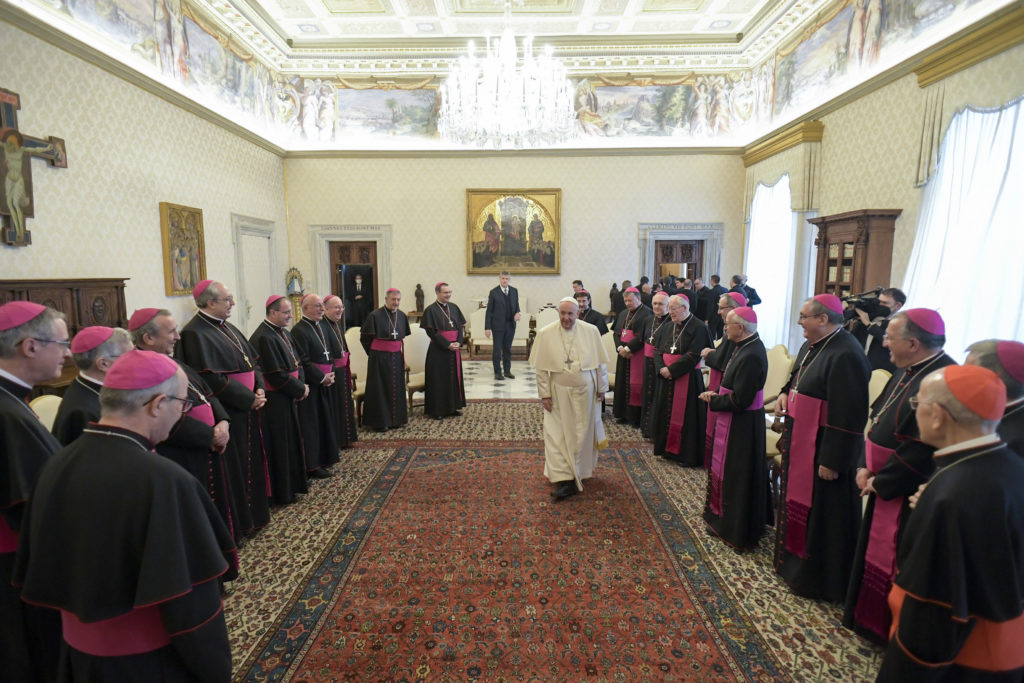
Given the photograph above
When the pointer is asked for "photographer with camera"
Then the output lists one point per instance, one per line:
(868, 317)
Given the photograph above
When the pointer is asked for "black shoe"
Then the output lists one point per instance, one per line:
(564, 490)
(380, 430)
(457, 413)
(438, 417)
(499, 378)
(319, 473)
(510, 375)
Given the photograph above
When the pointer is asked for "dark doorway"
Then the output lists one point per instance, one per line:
(354, 278)
(671, 255)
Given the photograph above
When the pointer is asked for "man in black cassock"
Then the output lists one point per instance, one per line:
(651, 325)
(678, 417)
(1006, 359)
(134, 575)
(200, 438)
(317, 413)
(94, 349)
(384, 404)
(286, 388)
(958, 597)
(588, 314)
(33, 347)
(629, 366)
(825, 402)
(334, 322)
(895, 463)
(443, 322)
(223, 357)
(738, 504)
(716, 358)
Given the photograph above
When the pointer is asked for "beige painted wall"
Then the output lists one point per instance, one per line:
(128, 150)
(603, 201)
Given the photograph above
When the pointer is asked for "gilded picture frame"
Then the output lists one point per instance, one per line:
(181, 231)
(515, 230)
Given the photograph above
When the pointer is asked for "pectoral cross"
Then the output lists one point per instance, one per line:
(327, 354)
(451, 323)
(673, 349)
(650, 340)
(394, 334)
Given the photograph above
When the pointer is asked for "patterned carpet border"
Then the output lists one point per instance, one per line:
(287, 640)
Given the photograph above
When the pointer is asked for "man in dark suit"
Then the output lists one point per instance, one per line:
(699, 304)
(502, 314)
(714, 319)
(739, 284)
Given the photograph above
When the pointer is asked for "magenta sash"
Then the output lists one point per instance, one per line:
(880, 560)
(246, 379)
(636, 371)
(293, 373)
(714, 381)
(385, 345)
(723, 423)
(324, 367)
(453, 336)
(8, 537)
(343, 361)
(808, 414)
(202, 412)
(141, 630)
(648, 350)
(677, 416)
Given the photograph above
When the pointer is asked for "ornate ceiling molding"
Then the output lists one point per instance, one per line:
(1002, 31)
(807, 131)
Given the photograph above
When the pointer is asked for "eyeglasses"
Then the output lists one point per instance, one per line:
(813, 315)
(66, 343)
(914, 402)
(229, 299)
(186, 403)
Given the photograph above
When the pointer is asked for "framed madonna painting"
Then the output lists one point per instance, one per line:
(515, 230)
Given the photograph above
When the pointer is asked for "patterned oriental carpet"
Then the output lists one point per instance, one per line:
(436, 554)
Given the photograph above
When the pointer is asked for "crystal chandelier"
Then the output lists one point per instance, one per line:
(502, 103)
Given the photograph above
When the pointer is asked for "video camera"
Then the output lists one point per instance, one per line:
(867, 302)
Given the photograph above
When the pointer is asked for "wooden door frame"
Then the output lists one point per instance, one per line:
(321, 236)
(242, 226)
(648, 234)
(699, 264)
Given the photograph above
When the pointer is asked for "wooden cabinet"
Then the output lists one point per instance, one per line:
(85, 302)
(854, 250)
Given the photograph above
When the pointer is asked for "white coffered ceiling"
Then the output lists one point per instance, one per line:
(372, 37)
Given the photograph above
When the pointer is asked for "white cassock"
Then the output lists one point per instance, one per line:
(572, 368)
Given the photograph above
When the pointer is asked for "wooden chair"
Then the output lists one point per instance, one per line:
(879, 378)
(779, 366)
(46, 407)
(416, 345)
(608, 339)
(480, 344)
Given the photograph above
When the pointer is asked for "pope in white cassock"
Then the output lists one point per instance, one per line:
(572, 378)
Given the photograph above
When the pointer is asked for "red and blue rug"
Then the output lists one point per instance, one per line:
(454, 564)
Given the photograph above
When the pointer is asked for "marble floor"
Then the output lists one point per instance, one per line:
(480, 382)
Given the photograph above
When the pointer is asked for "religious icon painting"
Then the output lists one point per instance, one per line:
(181, 228)
(515, 230)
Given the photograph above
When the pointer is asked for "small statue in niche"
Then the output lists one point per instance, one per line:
(419, 299)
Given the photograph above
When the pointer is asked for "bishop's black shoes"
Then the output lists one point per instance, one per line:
(564, 490)
(319, 473)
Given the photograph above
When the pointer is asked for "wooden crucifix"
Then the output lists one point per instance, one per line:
(16, 152)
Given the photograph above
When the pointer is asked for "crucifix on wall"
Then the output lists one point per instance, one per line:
(16, 152)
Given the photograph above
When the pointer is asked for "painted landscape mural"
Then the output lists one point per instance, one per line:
(171, 40)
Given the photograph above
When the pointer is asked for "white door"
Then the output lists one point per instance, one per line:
(254, 249)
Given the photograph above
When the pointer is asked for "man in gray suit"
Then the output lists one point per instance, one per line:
(502, 314)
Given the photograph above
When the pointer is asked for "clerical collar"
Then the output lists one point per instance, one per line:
(211, 318)
(970, 444)
(747, 340)
(272, 325)
(100, 429)
(827, 336)
(83, 375)
(911, 369)
(17, 381)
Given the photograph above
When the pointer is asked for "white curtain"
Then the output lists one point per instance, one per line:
(770, 258)
(968, 252)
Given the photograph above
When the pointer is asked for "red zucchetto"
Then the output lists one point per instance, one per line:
(140, 317)
(979, 389)
(830, 301)
(88, 338)
(201, 287)
(747, 313)
(139, 370)
(738, 298)
(16, 313)
(928, 320)
(1011, 357)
